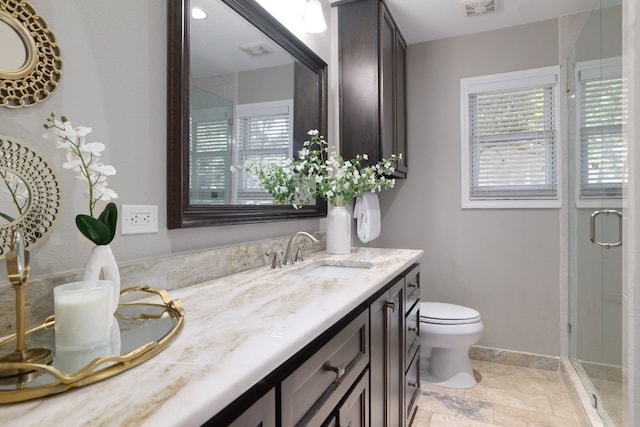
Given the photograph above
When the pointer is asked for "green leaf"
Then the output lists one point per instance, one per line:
(109, 217)
(93, 229)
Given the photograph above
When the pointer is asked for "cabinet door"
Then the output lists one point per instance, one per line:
(354, 411)
(387, 84)
(260, 414)
(387, 356)
(400, 145)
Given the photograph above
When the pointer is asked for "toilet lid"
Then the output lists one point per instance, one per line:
(447, 314)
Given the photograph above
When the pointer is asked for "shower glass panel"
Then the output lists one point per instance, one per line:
(597, 152)
(210, 140)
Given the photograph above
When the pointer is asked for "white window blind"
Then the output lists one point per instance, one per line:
(265, 134)
(209, 144)
(603, 151)
(510, 139)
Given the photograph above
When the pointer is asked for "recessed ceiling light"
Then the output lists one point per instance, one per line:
(197, 13)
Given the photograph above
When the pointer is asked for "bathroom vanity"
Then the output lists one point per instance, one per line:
(329, 341)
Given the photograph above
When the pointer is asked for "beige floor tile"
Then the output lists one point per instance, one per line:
(444, 404)
(506, 395)
(563, 407)
(514, 398)
(515, 417)
(423, 417)
(440, 420)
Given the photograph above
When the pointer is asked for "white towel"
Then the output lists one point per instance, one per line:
(367, 213)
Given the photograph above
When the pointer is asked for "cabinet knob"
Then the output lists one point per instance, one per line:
(412, 328)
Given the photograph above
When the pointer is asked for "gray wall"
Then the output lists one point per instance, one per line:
(114, 80)
(505, 263)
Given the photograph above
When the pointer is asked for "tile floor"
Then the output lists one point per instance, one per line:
(505, 396)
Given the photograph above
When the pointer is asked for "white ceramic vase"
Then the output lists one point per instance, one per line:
(339, 230)
(101, 264)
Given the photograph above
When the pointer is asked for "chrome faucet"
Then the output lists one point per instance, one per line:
(288, 257)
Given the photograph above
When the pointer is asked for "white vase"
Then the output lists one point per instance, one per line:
(101, 264)
(339, 230)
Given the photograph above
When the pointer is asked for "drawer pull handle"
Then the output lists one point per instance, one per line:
(412, 384)
(339, 370)
(412, 285)
(393, 305)
(412, 328)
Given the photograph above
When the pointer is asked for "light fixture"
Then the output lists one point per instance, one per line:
(197, 13)
(313, 20)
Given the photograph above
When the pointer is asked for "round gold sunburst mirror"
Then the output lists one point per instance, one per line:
(30, 198)
(30, 63)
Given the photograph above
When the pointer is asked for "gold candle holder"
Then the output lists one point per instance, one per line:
(18, 271)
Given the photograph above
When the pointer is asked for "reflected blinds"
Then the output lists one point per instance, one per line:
(603, 151)
(264, 135)
(209, 157)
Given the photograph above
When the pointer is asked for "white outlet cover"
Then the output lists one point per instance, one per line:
(139, 219)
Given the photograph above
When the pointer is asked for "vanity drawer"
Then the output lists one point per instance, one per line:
(412, 386)
(412, 287)
(412, 333)
(312, 392)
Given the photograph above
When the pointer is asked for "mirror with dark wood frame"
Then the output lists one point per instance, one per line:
(214, 83)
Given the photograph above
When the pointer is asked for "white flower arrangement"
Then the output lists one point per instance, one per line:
(319, 171)
(84, 158)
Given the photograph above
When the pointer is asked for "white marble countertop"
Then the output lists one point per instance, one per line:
(237, 330)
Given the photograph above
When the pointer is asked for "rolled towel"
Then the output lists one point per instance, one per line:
(367, 213)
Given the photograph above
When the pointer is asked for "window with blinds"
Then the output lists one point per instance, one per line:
(210, 156)
(603, 151)
(509, 140)
(265, 134)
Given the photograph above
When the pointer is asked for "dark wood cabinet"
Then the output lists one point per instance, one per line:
(395, 351)
(314, 390)
(387, 355)
(260, 414)
(372, 61)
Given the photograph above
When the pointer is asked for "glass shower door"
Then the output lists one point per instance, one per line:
(598, 165)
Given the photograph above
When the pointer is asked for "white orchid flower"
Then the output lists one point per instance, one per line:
(94, 148)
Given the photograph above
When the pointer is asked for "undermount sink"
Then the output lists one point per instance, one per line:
(334, 271)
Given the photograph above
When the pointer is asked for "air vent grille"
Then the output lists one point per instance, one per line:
(479, 7)
(256, 49)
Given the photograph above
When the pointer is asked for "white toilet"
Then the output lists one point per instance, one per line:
(446, 333)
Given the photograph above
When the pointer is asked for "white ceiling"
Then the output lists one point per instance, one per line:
(423, 20)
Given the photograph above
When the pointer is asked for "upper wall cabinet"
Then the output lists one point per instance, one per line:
(372, 82)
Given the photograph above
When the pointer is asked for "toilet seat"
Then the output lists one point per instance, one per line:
(440, 313)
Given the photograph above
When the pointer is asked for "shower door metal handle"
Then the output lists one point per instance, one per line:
(592, 228)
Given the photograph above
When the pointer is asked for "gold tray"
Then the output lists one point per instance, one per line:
(143, 330)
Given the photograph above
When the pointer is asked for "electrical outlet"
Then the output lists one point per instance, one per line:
(139, 219)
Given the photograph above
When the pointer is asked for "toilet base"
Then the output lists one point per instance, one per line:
(453, 369)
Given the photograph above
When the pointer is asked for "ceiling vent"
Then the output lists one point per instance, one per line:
(256, 49)
(479, 7)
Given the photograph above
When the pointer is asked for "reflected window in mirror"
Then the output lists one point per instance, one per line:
(247, 90)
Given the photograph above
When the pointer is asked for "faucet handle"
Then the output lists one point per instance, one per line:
(276, 262)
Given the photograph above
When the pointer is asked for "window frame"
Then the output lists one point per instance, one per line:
(503, 82)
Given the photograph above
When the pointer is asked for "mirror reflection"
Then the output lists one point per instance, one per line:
(13, 53)
(241, 106)
(14, 196)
